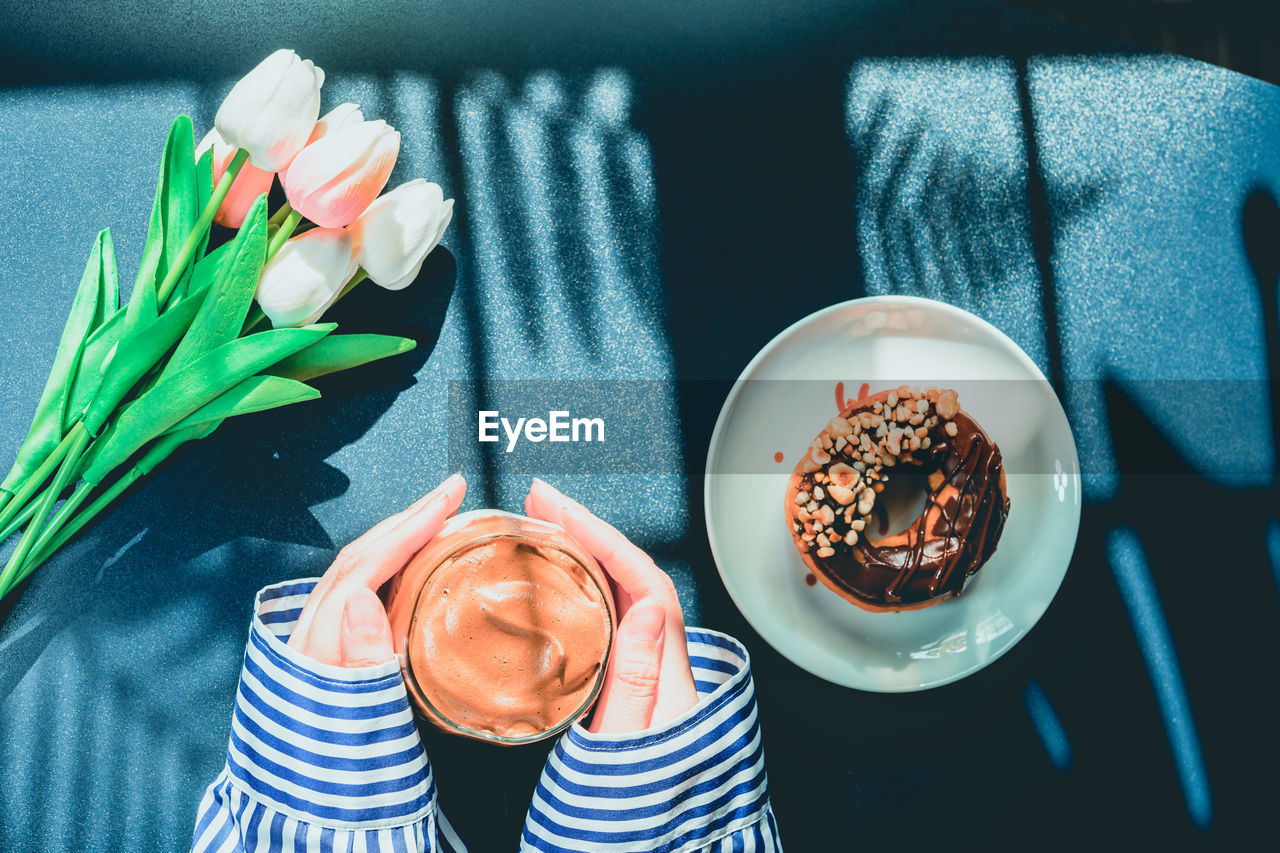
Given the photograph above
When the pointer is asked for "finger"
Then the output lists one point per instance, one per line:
(353, 557)
(323, 640)
(388, 554)
(630, 690)
(366, 633)
(629, 567)
(454, 489)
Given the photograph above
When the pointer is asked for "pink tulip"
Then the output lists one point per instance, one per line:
(249, 184)
(335, 178)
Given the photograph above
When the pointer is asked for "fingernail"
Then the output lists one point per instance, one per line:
(645, 622)
(363, 613)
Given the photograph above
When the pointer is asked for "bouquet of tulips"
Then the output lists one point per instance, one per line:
(131, 384)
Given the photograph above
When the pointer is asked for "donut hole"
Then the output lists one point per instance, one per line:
(906, 492)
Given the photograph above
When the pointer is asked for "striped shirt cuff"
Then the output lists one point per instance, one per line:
(329, 745)
(697, 783)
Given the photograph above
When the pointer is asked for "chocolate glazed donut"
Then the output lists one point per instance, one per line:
(832, 492)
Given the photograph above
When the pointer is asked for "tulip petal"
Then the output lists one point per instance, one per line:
(272, 110)
(341, 117)
(395, 235)
(249, 184)
(306, 276)
(334, 179)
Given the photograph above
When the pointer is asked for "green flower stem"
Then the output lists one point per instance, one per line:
(79, 440)
(279, 215)
(202, 225)
(5, 497)
(22, 518)
(60, 537)
(286, 231)
(66, 511)
(35, 481)
(57, 538)
(74, 522)
(360, 276)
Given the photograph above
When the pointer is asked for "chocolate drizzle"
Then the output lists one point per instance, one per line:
(956, 534)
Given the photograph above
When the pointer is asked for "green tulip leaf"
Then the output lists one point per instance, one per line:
(230, 292)
(173, 215)
(164, 446)
(135, 354)
(204, 189)
(340, 352)
(207, 268)
(108, 284)
(200, 382)
(255, 394)
(89, 378)
(49, 424)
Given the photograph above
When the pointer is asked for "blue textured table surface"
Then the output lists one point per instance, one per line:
(652, 191)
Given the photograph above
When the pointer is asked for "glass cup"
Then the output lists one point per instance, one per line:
(404, 598)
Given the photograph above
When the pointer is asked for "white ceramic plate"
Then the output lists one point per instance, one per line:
(781, 401)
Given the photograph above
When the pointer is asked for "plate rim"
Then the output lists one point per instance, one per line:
(717, 439)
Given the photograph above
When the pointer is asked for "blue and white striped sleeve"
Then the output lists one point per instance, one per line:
(321, 757)
(696, 784)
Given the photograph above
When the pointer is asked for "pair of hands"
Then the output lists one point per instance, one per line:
(649, 681)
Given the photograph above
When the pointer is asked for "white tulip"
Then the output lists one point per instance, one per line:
(397, 232)
(306, 276)
(272, 110)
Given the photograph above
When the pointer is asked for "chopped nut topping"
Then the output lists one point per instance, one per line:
(841, 474)
(849, 461)
(842, 495)
(948, 404)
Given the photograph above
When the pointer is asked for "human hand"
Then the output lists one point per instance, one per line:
(343, 622)
(649, 681)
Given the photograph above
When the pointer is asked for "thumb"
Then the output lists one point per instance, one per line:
(366, 633)
(631, 684)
